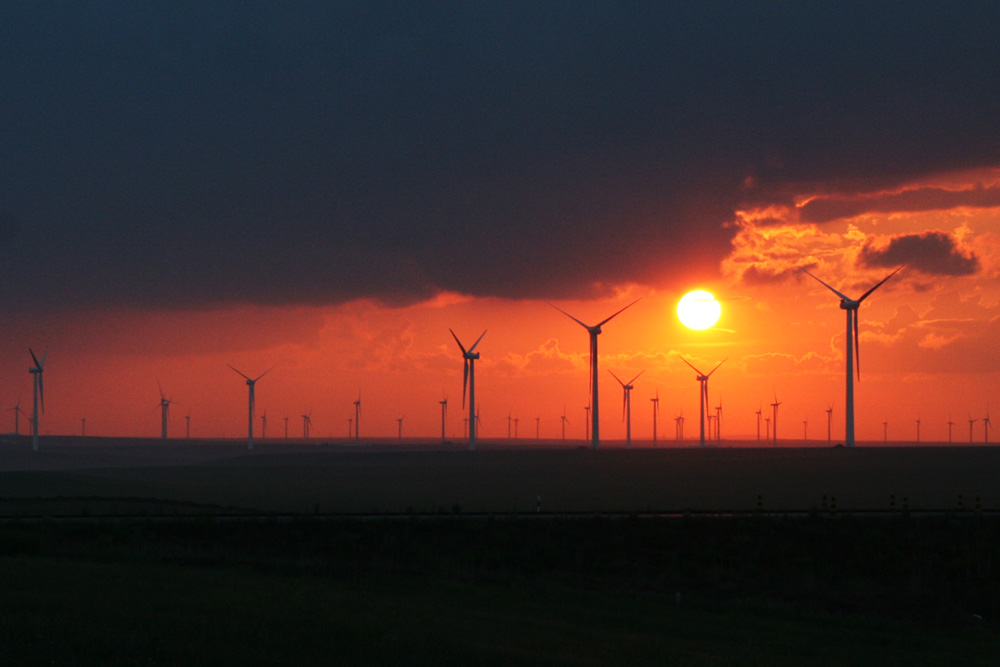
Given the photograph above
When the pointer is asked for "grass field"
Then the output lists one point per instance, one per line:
(168, 579)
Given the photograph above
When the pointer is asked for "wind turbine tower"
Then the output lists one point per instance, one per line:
(703, 394)
(851, 306)
(251, 383)
(758, 413)
(357, 417)
(444, 416)
(829, 422)
(469, 383)
(39, 393)
(564, 422)
(594, 332)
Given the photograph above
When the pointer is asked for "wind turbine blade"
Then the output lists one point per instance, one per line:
(477, 341)
(238, 372)
(605, 321)
(263, 374)
(570, 316)
(616, 377)
(879, 284)
(842, 296)
(636, 377)
(458, 341)
(717, 366)
(34, 358)
(692, 366)
(465, 382)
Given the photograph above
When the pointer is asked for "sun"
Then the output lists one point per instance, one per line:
(698, 310)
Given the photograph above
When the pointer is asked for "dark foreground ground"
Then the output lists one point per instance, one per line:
(503, 591)
(152, 553)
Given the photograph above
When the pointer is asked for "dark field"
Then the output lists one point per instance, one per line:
(123, 552)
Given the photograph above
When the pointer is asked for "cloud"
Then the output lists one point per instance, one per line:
(824, 209)
(932, 252)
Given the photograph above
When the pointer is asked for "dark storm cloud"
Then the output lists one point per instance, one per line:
(824, 209)
(196, 154)
(933, 253)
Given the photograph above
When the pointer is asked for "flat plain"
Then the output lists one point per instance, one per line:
(422, 553)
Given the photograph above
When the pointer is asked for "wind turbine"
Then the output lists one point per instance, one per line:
(17, 416)
(469, 382)
(986, 427)
(679, 426)
(444, 415)
(918, 429)
(164, 409)
(850, 306)
(718, 420)
(774, 413)
(39, 393)
(767, 428)
(399, 422)
(538, 426)
(357, 417)
(306, 423)
(758, 413)
(885, 431)
(187, 426)
(656, 411)
(263, 426)
(829, 422)
(594, 332)
(627, 406)
(564, 422)
(251, 382)
(83, 427)
(950, 424)
(703, 393)
(971, 422)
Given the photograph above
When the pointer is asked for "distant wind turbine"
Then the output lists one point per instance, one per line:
(538, 422)
(703, 393)
(251, 382)
(971, 422)
(950, 424)
(17, 416)
(718, 420)
(850, 306)
(774, 414)
(885, 431)
(39, 393)
(679, 426)
(829, 422)
(399, 422)
(357, 417)
(469, 383)
(306, 424)
(656, 412)
(444, 415)
(594, 332)
(83, 427)
(627, 405)
(164, 409)
(565, 421)
(263, 426)
(760, 410)
(918, 429)
(187, 427)
(986, 427)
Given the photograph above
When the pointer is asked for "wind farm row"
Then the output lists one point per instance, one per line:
(710, 418)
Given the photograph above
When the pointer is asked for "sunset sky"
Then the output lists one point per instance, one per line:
(327, 188)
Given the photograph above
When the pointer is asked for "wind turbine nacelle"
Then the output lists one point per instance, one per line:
(846, 304)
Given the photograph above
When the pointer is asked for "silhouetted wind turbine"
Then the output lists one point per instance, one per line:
(971, 422)
(850, 306)
(39, 393)
(357, 417)
(885, 431)
(829, 422)
(627, 405)
(594, 332)
(187, 426)
(656, 412)
(986, 427)
(950, 424)
(918, 429)
(17, 416)
(251, 382)
(565, 421)
(774, 414)
(767, 428)
(286, 428)
(538, 426)
(679, 426)
(444, 416)
(760, 410)
(718, 420)
(263, 426)
(306, 424)
(469, 382)
(399, 422)
(164, 409)
(703, 393)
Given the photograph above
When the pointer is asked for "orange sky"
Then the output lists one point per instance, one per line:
(928, 340)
